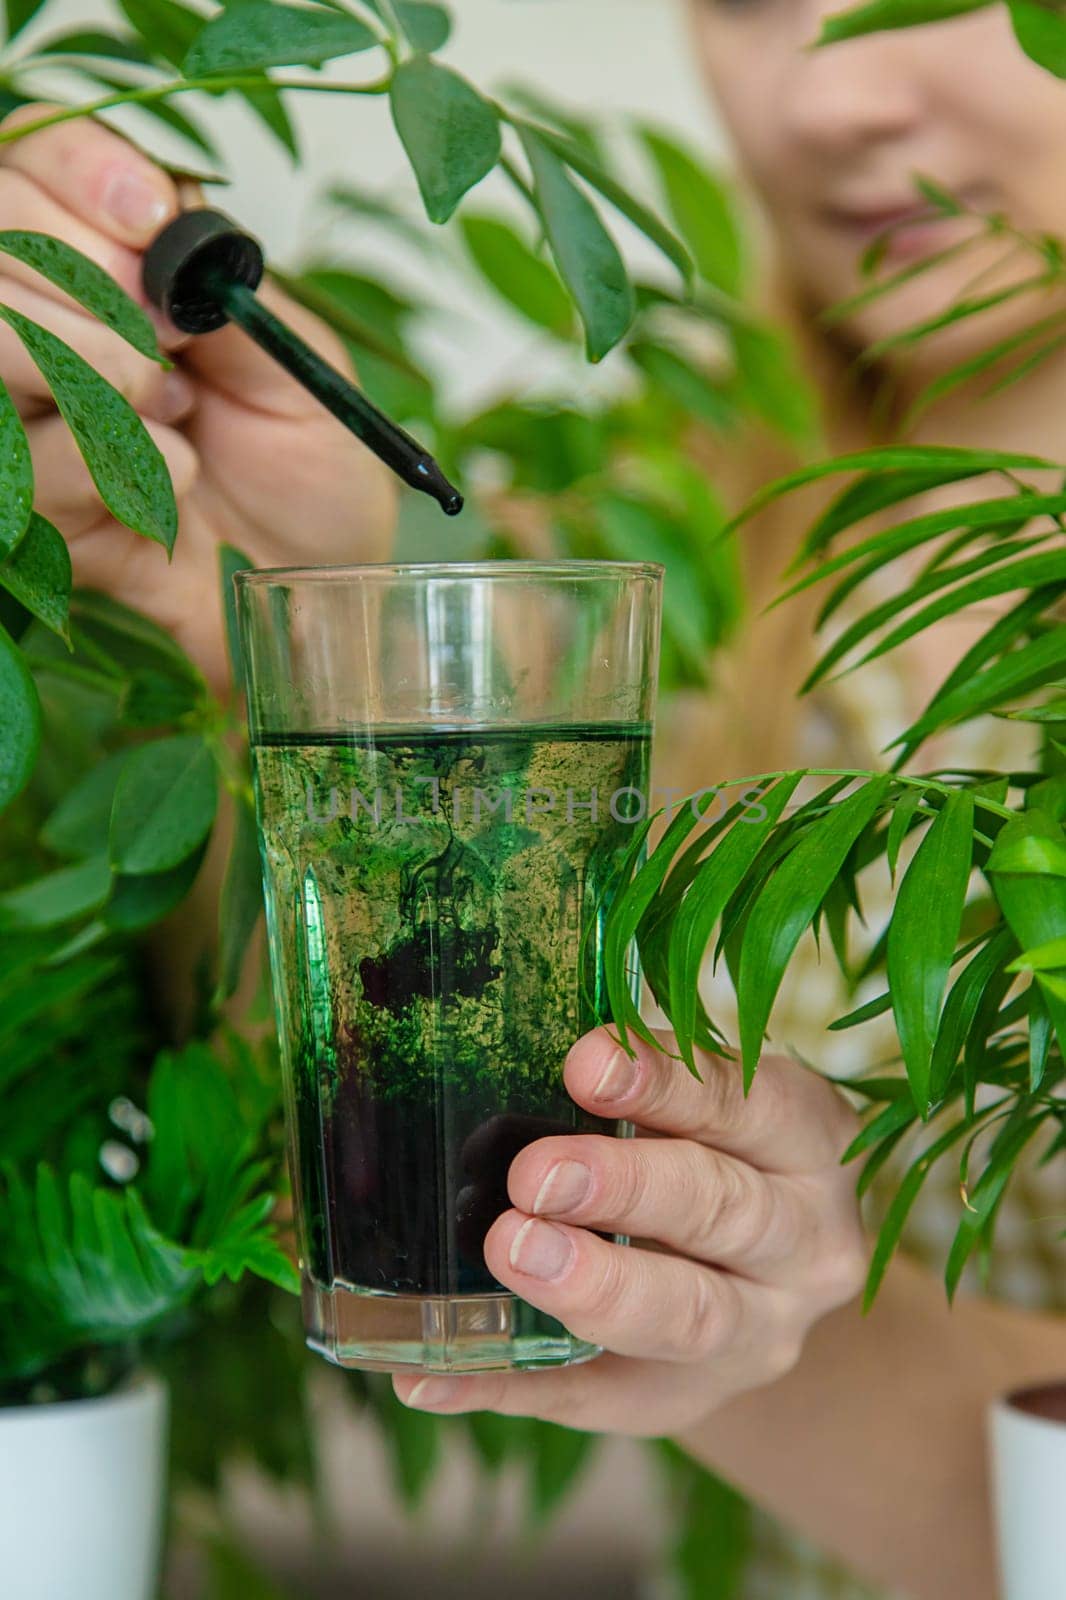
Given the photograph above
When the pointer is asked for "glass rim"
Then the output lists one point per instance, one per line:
(367, 571)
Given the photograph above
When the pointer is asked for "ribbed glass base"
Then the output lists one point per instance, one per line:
(381, 1332)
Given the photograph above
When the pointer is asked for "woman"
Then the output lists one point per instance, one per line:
(737, 1332)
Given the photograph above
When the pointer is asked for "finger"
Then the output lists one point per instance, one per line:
(143, 383)
(634, 1302)
(792, 1121)
(67, 495)
(592, 1396)
(693, 1199)
(24, 205)
(93, 173)
(234, 365)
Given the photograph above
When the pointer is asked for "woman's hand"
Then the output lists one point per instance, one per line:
(255, 461)
(749, 1232)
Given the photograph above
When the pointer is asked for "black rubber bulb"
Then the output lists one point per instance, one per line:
(202, 271)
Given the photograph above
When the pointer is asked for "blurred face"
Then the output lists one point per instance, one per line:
(831, 140)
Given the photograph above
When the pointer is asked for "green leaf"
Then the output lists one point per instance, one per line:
(257, 34)
(712, 1535)
(128, 640)
(167, 28)
(903, 815)
(18, 13)
(577, 158)
(138, 902)
(94, 42)
(58, 897)
(954, 462)
(1027, 871)
(715, 882)
(1044, 958)
(1041, 32)
(875, 491)
(924, 931)
(412, 1439)
(787, 906)
(881, 14)
(164, 804)
(770, 379)
(160, 111)
(20, 720)
(587, 257)
(1039, 1037)
(16, 476)
(80, 824)
(267, 104)
(1016, 674)
(230, 561)
(86, 283)
(692, 389)
(527, 283)
(962, 1009)
(241, 903)
(38, 574)
(703, 210)
(985, 1196)
(902, 1204)
(121, 455)
(450, 132)
(427, 26)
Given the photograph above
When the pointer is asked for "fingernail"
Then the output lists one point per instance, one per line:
(566, 1186)
(134, 201)
(618, 1079)
(433, 1391)
(175, 397)
(541, 1251)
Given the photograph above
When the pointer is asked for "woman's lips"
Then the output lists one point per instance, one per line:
(908, 231)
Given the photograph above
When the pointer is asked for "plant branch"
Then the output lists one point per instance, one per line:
(164, 91)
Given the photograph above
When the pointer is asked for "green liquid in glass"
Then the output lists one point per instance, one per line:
(436, 904)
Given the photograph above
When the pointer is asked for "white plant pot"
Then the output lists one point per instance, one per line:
(81, 1496)
(1028, 1443)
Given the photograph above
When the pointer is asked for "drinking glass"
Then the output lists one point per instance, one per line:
(450, 760)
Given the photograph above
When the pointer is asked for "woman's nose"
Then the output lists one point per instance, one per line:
(840, 98)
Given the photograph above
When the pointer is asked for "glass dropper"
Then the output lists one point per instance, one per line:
(202, 271)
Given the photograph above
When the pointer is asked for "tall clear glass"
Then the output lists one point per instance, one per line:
(449, 761)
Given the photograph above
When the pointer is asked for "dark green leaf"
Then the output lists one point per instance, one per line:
(903, 815)
(712, 1534)
(138, 902)
(19, 13)
(267, 104)
(902, 1204)
(1041, 31)
(122, 457)
(94, 42)
(525, 281)
(86, 283)
(80, 824)
(770, 379)
(127, 641)
(578, 160)
(586, 255)
(1026, 869)
(451, 134)
(696, 391)
(241, 903)
(16, 476)
(1039, 1037)
(714, 883)
(167, 27)
(1016, 674)
(962, 1008)
(925, 928)
(264, 33)
(37, 573)
(20, 720)
(231, 560)
(953, 462)
(164, 804)
(787, 906)
(985, 1196)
